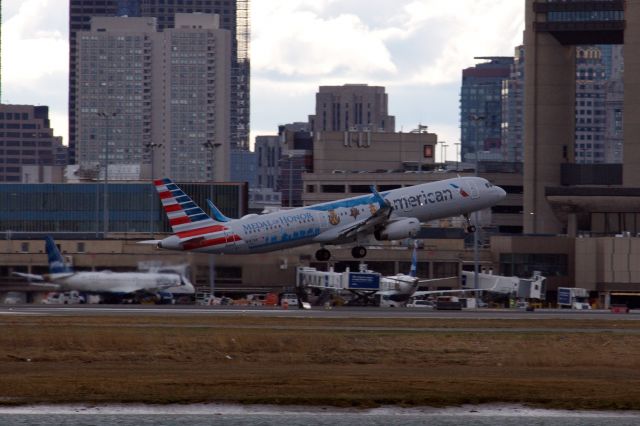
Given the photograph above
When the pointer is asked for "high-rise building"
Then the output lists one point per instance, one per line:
(481, 106)
(154, 98)
(268, 151)
(599, 104)
(234, 17)
(352, 107)
(590, 105)
(26, 140)
(513, 109)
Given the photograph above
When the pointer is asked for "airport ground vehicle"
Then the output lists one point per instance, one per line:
(14, 298)
(290, 299)
(448, 303)
(420, 303)
(67, 298)
(573, 298)
(256, 299)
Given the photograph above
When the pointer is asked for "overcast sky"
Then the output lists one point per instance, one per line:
(415, 48)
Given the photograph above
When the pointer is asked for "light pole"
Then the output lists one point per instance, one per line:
(211, 146)
(444, 153)
(150, 146)
(457, 144)
(476, 118)
(105, 223)
(290, 180)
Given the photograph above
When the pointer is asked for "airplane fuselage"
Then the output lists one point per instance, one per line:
(316, 223)
(114, 282)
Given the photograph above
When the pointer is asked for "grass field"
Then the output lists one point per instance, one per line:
(315, 361)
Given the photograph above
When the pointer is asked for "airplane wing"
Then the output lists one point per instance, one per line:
(364, 226)
(192, 239)
(30, 277)
(429, 292)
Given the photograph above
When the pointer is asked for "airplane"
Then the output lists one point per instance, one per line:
(62, 277)
(389, 215)
(397, 289)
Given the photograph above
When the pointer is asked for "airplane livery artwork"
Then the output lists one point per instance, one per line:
(389, 215)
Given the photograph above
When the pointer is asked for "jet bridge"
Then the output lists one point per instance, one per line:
(362, 285)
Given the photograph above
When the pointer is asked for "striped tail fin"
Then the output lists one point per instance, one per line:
(185, 217)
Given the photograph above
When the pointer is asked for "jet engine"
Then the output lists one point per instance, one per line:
(398, 230)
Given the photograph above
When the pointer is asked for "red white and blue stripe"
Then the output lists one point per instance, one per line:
(185, 217)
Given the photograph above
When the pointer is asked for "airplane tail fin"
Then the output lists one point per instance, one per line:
(183, 214)
(56, 261)
(413, 272)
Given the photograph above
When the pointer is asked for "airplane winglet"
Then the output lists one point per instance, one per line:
(377, 197)
(217, 214)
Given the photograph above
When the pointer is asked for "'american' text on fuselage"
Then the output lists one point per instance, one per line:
(406, 203)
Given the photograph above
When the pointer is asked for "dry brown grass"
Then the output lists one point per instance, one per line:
(161, 360)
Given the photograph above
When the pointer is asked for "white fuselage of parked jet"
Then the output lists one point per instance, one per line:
(117, 282)
(332, 222)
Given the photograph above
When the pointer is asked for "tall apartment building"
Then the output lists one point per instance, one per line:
(26, 140)
(513, 109)
(234, 17)
(481, 106)
(590, 105)
(268, 151)
(352, 107)
(598, 105)
(159, 99)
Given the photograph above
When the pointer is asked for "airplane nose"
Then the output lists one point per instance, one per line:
(501, 192)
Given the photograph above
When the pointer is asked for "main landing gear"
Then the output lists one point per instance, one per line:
(470, 227)
(358, 252)
(323, 255)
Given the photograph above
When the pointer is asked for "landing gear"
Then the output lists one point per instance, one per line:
(358, 252)
(323, 255)
(470, 227)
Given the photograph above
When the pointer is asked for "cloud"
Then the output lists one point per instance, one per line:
(415, 48)
(35, 57)
(302, 43)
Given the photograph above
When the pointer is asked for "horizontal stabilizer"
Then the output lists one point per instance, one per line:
(150, 242)
(30, 277)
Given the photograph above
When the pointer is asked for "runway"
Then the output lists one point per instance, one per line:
(316, 312)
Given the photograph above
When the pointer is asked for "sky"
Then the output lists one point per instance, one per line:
(417, 49)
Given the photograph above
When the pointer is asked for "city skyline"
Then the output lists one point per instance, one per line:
(416, 49)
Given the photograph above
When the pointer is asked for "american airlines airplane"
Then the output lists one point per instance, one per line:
(61, 277)
(389, 215)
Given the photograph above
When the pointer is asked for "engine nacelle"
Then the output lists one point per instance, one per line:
(398, 230)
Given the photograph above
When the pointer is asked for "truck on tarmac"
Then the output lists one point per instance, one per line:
(448, 303)
(573, 298)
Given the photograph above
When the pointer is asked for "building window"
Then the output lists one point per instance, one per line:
(24, 247)
(80, 247)
(334, 189)
(428, 151)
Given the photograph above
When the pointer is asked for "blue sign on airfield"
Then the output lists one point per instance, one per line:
(364, 281)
